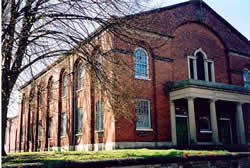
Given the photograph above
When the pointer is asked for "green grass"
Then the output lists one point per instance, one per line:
(56, 157)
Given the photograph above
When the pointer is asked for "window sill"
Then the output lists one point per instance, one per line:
(144, 129)
(79, 134)
(79, 90)
(142, 78)
(99, 131)
(63, 97)
(206, 131)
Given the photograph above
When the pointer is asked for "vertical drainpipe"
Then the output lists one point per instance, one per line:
(92, 111)
(155, 99)
(74, 104)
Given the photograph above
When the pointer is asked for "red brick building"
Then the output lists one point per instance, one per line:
(195, 71)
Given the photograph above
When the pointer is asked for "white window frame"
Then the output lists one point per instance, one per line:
(194, 57)
(139, 76)
(149, 128)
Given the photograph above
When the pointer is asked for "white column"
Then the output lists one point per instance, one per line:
(240, 124)
(206, 70)
(195, 69)
(173, 123)
(191, 117)
(213, 119)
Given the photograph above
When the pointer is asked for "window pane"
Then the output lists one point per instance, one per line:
(63, 124)
(142, 114)
(191, 67)
(246, 78)
(79, 120)
(30, 132)
(209, 71)
(200, 67)
(51, 91)
(141, 63)
(99, 115)
(40, 129)
(50, 127)
(79, 76)
(64, 83)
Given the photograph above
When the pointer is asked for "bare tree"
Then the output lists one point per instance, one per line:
(34, 30)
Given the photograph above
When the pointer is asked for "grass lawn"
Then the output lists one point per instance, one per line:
(46, 157)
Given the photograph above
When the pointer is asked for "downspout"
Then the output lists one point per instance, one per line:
(74, 103)
(155, 100)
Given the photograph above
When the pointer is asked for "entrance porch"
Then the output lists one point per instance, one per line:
(208, 113)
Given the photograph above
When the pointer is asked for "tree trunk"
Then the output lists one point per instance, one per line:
(5, 103)
(8, 82)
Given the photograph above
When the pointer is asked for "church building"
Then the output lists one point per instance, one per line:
(192, 70)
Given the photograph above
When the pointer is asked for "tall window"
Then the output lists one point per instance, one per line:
(63, 124)
(99, 115)
(30, 132)
(22, 134)
(40, 98)
(50, 91)
(246, 78)
(79, 77)
(143, 120)
(200, 68)
(79, 117)
(50, 129)
(64, 85)
(141, 63)
(40, 129)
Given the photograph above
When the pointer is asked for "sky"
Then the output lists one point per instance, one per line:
(236, 12)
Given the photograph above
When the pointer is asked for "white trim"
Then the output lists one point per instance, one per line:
(99, 131)
(231, 53)
(193, 91)
(181, 116)
(205, 60)
(224, 118)
(200, 50)
(144, 129)
(206, 131)
(142, 78)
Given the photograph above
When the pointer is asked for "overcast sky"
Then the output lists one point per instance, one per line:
(236, 12)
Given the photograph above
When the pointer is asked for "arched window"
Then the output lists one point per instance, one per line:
(141, 63)
(99, 115)
(246, 78)
(79, 76)
(64, 85)
(199, 67)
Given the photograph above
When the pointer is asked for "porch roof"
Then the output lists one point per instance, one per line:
(173, 86)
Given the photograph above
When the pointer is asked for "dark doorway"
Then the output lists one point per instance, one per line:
(225, 131)
(182, 131)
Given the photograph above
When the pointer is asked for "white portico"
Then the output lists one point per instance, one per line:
(204, 94)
